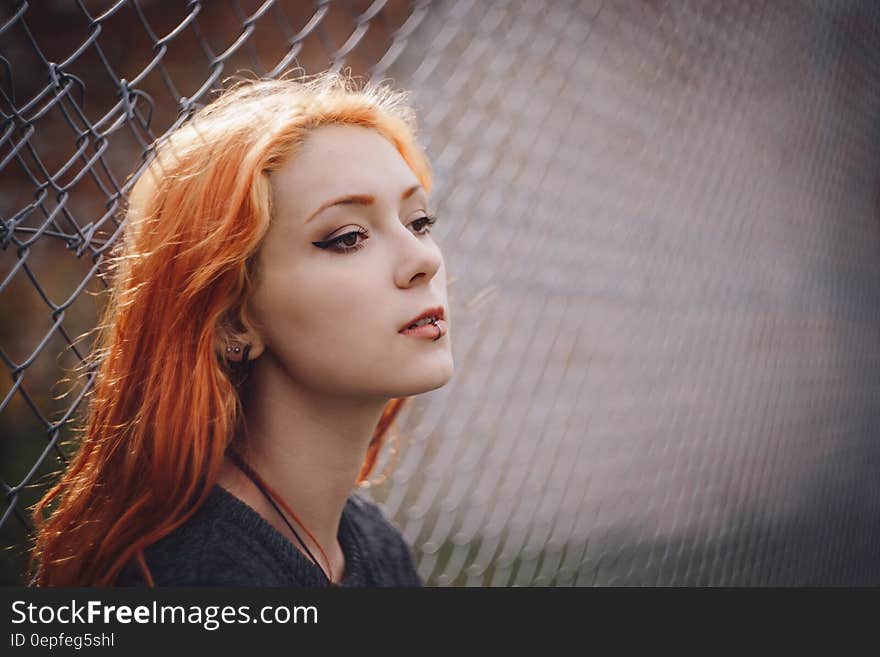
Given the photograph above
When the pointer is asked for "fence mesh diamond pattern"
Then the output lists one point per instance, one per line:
(662, 226)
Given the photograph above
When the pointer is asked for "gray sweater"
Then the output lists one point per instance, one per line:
(227, 543)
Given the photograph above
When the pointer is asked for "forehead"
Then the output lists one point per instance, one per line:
(336, 160)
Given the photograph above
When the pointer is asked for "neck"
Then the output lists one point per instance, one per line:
(309, 447)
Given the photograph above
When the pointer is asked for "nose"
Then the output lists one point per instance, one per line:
(419, 262)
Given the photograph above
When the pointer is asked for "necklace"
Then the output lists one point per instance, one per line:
(270, 495)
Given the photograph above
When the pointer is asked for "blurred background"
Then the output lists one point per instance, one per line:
(661, 222)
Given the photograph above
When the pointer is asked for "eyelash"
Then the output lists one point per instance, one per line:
(429, 220)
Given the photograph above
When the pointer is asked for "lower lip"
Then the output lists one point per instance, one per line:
(427, 331)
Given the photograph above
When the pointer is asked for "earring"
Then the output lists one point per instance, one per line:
(237, 349)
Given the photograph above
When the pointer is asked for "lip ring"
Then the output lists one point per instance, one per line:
(441, 324)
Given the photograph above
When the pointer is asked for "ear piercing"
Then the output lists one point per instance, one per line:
(245, 357)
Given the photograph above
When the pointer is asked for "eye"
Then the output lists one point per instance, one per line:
(426, 222)
(344, 243)
(348, 242)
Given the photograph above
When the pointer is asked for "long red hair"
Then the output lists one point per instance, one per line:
(164, 406)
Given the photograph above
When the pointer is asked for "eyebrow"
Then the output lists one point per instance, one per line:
(358, 199)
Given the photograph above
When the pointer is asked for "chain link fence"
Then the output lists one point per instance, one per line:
(661, 227)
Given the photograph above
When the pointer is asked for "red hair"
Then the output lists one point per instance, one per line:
(165, 407)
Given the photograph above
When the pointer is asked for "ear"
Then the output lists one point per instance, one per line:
(231, 342)
(252, 338)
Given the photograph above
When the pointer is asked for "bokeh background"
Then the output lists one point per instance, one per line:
(661, 222)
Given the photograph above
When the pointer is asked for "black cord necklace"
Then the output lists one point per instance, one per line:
(244, 467)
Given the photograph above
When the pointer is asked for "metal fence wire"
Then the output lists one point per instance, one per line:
(662, 227)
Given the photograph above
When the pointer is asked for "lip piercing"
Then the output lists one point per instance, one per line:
(439, 330)
(231, 349)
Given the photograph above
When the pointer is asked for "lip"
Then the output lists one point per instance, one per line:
(434, 311)
(428, 330)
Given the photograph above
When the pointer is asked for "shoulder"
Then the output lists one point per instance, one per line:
(377, 529)
(221, 568)
(212, 548)
(383, 543)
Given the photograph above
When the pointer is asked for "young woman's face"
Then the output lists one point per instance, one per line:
(330, 317)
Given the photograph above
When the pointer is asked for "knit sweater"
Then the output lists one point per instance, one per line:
(227, 543)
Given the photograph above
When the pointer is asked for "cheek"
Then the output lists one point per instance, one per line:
(337, 301)
(323, 316)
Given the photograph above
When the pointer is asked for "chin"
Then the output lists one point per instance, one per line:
(427, 381)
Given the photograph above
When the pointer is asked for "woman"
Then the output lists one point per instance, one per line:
(257, 344)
